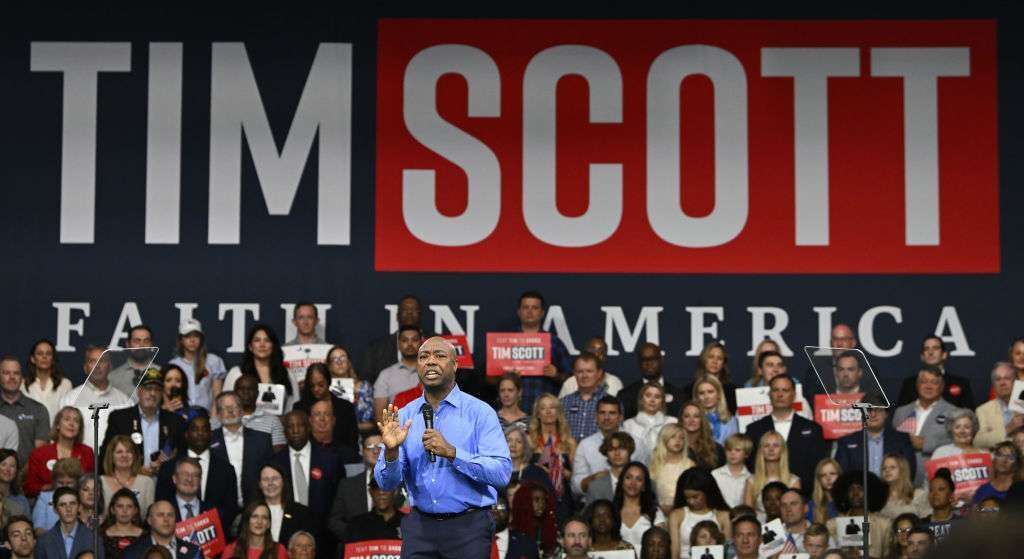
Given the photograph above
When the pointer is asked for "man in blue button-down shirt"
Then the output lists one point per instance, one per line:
(452, 495)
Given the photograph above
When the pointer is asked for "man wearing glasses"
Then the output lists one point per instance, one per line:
(353, 497)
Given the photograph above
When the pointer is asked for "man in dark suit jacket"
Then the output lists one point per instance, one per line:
(316, 484)
(957, 389)
(804, 439)
(219, 487)
(850, 450)
(651, 360)
(231, 439)
(51, 544)
(161, 520)
(170, 428)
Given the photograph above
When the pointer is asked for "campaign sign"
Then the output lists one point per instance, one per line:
(373, 549)
(270, 398)
(850, 531)
(754, 403)
(837, 419)
(203, 530)
(298, 358)
(773, 538)
(344, 388)
(1017, 397)
(795, 556)
(526, 354)
(463, 357)
(707, 552)
(970, 471)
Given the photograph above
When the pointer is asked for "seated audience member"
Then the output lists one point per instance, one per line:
(746, 532)
(882, 440)
(339, 365)
(96, 389)
(942, 498)
(713, 361)
(901, 527)
(176, 396)
(612, 383)
(122, 468)
(651, 360)
(995, 419)
(382, 522)
(1018, 440)
(708, 393)
(956, 389)
(254, 539)
(353, 495)
(244, 448)
(126, 376)
(123, 524)
(636, 502)
(919, 542)
(510, 396)
(323, 432)
(204, 371)
(617, 448)
(44, 379)
(286, 516)
(743, 510)
(649, 419)
(757, 376)
(803, 437)
(925, 419)
(263, 360)
(314, 472)
(316, 388)
(66, 473)
(158, 432)
(697, 499)
(575, 541)
(530, 314)
(606, 525)
(87, 500)
(507, 542)
(217, 485)
(770, 464)
(816, 540)
(246, 390)
(186, 480)
(160, 521)
(706, 533)
(20, 536)
(66, 440)
(533, 514)
(14, 503)
(55, 544)
(732, 477)
(848, 492)
(29, 418)
(962, 426)
(302, 545)
(581, 406)
(400, 376)
(553, 444)
(903, 496)
(306, 319)
(987, 509)
(771, 496)
(703, 449)
(1007, 469)
(821, 507)
(793, 512)
(521, 453)
(589, 462)
(668, 461)
(656, 544)
(842, 337)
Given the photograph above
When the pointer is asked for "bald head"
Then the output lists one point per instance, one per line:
(439, 341)
(436, 364)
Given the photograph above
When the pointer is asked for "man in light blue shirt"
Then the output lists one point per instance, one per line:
(453, 471)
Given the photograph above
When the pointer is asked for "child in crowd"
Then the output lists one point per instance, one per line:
(732, 477)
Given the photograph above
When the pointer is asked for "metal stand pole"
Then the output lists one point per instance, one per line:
(866, 527)
(97, 489)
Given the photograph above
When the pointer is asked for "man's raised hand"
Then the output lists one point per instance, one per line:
(391, 433)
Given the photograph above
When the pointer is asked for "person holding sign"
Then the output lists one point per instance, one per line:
(1007, 468)
(452, 467)
(848, 493)
(264, 360)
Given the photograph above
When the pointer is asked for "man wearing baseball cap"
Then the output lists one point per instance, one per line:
(156, 432)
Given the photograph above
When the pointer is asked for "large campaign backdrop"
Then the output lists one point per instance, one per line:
(675, 177)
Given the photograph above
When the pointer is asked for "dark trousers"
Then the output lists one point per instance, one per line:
(465, 537)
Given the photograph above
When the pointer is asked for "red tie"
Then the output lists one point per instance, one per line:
(494, 547)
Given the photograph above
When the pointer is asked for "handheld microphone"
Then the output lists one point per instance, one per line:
(428, 422)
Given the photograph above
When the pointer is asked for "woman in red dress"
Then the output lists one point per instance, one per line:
(66, 442)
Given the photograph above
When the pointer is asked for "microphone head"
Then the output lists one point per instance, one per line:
(427, 411)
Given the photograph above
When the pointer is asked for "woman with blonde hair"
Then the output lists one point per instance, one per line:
(668, 461)
(649, 419)
(707, 392)
(702, 448)
(122, 469)
(771, 464)
(903, 496)
(821, 507)
(553, 445)
(66, 442)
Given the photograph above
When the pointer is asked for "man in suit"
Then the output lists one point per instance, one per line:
(995, 418)
(956, 389)
(246, 450)
(803, 436)
(842, 337)
(651, 360)
(161, 520)
(68, 537)
(314, 471)
(218, 486)
(156, 432)
(925, 418)
(185, 496)
(353, 497)
(882, 440)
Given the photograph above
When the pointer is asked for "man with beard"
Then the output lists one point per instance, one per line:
(324, 433)
(453, 470)
(575, 539)
(650, 361)
(126, 376)
(217, 484)
(96, 389)
(402, 375)
(383, 352)
(157, 433)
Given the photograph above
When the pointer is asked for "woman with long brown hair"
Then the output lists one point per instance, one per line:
(44, 378)
(254, 538)
(123, 524)
(701, 443)
(204, 371)
(264, 360)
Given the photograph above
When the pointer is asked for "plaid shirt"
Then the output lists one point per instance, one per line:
(533, 387)
(582, 414)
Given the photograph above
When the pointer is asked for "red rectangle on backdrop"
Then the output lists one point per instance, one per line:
(613, 167)
(526, 354)
(463, 357)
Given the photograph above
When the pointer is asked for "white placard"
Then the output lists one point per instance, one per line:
(773, 537)
(707, 552)
(754, 403)
(344, 388)
(298, 358)
(795, 556)
(614, 554)
(270, 398)
(1017, 397)
(849, 531)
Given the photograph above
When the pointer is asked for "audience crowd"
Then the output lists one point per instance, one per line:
(656, 468)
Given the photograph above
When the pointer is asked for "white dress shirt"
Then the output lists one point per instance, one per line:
(784, 425)
(276, 519)
(921, 415)
(234, 445)
(501, 541)
(589, 460)
(204, 463)
(304, 456)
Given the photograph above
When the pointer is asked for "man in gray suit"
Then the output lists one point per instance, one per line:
(68, 537)
(925, 418)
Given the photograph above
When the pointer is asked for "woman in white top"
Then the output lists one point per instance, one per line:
(962, 426)
(668, 462)
(771, 464)
(204, 371)
(264, 360)
(650, 417)
(697, 499)
(636, 503)
(44, 379)
(122, 466)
